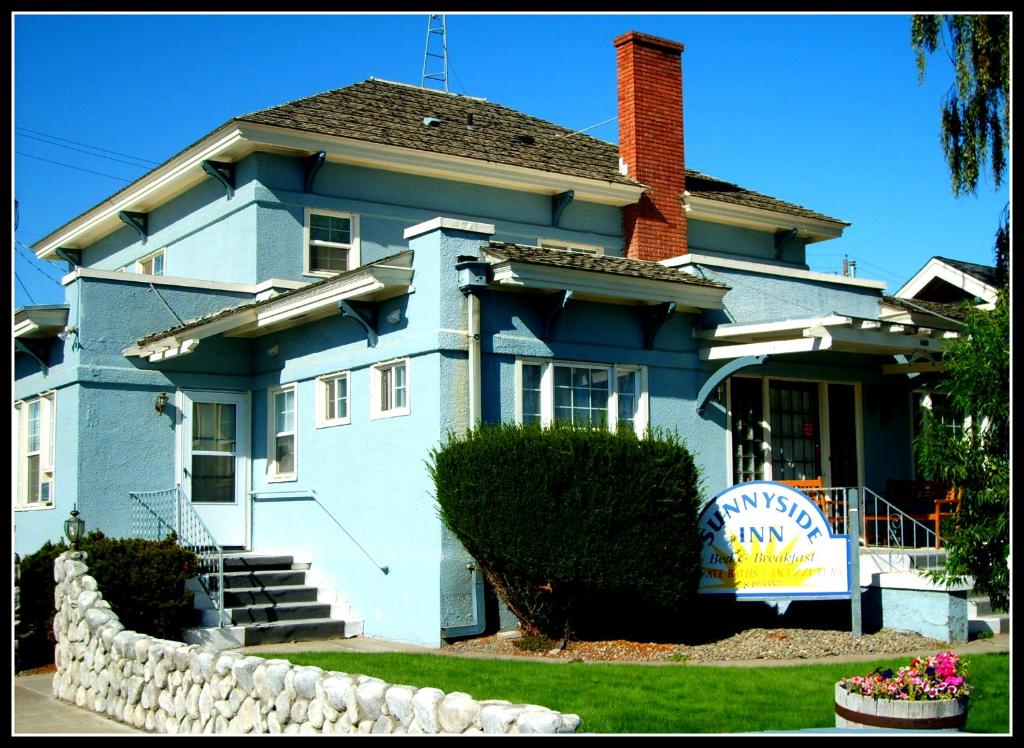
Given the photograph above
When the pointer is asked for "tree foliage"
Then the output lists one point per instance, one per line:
(977, 458)
(976, 110)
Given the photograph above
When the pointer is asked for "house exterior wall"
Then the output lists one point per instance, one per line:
(257, 234)
(743, 244)
(108, 438)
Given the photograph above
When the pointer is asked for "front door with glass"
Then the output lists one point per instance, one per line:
(214, 432)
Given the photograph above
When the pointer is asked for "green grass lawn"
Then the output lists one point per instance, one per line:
(679, 698)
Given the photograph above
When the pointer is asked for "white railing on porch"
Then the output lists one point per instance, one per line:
(886, 532)
(156, 514)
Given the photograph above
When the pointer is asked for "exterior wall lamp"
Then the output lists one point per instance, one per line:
(161, 402)
(74, 528)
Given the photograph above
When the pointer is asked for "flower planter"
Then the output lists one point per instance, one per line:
(857, 711)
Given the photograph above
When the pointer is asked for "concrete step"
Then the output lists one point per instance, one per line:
(250, 562)
(242, 597)
(275, 578)
(279, 612)
(298, 630)
(982, 619)
(990, 624)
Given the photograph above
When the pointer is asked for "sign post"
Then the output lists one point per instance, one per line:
(853, 532)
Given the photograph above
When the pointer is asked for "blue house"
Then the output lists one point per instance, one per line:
(272, 329)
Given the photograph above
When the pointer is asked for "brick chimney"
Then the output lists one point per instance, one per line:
(650, 74)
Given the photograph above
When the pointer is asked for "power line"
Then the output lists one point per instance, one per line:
(17, 278)
(31, 257)
(82, 150)
(69, 166)
(86, 145)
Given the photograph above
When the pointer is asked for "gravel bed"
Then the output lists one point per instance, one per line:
(752, 644)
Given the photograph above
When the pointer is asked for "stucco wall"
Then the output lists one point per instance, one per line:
(172, 688)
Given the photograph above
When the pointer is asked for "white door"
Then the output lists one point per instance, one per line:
(214, 431)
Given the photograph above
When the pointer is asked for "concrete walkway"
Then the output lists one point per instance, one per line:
(37, 712)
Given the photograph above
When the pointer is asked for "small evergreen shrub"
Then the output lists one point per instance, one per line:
(143, 580)
(582, 532)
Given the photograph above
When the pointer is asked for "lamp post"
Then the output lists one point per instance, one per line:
(74, 528)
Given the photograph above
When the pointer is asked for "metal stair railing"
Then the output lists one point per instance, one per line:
(890, 533)
(156, 514)
(886, 532)
(299, 493)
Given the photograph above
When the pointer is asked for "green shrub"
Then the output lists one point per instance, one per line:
(143, 580)
(582, 532)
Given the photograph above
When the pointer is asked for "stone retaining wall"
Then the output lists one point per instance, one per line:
(171, 687)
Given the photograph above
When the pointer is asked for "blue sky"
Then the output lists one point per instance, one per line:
(823, 111)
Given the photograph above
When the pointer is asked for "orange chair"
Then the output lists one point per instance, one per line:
(831, 507)
(807, 485)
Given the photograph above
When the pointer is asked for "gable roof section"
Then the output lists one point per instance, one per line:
(945, 280)
(389, 115)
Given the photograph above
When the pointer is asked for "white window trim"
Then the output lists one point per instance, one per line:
(547, 391)
(273, 476)
(375, 385)
(136, 266)
(47, 450)
(322, 390)
(570, 246)
(353, 248)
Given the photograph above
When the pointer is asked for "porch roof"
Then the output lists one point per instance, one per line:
(617, 280)
(43, 321)
(383, 279)
(835, 332)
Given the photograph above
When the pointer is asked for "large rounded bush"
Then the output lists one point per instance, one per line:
(582, 532)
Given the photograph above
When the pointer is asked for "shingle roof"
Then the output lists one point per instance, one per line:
(985, 273)
(392, 114)
(955, 312)
(595, 264)
(703, 185)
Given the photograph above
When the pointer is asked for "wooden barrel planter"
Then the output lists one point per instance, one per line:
(856, 711)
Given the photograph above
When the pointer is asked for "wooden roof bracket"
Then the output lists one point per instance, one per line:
(312, 165)
(365, 316)
(559, 203)
(661, 314)
(137, 221)
(555, 311)
(224, 173)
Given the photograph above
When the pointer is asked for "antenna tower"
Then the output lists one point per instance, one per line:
(437, 38)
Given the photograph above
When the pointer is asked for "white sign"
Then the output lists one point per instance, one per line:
(764, 539)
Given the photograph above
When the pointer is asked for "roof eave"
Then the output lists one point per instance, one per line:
(606, 287)
(745, 216)
(429, 163)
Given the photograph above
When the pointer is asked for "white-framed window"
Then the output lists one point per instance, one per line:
(331, 242)
(36, 432)
(389, 389)
(151, 264)
(282, 433)
(611, 395)
(577, 247)
(332, 406)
